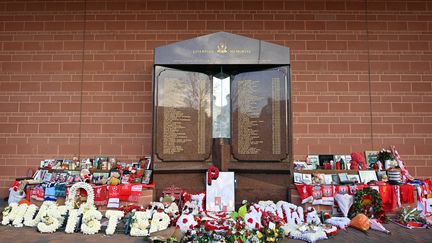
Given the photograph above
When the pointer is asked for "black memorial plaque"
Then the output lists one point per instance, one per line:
(183, 120)
(259, 118)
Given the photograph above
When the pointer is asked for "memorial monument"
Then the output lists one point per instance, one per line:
(223, 99)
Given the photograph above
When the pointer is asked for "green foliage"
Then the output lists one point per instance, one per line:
(359, 205)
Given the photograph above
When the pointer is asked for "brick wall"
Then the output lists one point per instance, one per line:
(76, 76)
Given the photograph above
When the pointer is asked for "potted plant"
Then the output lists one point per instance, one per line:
(386, 157)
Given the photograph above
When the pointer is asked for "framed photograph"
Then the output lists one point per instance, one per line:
(307, 179)
(314, 161)
(354, 178)
(343, 177)
(335, 179)
(328, 179)
(98, 177)
(325, 158)
(371, 157)
(299, 165)
(298, 177)
(147, 177)
(367, 176)
(382, 175)
(125, 178)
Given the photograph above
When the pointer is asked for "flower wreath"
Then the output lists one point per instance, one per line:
(367, 201)
(71, 200)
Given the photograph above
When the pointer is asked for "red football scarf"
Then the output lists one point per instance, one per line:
(100, 193)
(389, 198)
(305, 192)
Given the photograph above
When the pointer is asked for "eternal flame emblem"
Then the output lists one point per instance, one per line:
(222, 48)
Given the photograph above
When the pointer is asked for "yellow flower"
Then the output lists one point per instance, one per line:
(259, 234)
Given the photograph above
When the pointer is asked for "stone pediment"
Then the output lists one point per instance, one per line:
(222, 48)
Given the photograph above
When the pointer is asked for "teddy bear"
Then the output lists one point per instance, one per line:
(358, 161)
(85, 175)
(114, 179)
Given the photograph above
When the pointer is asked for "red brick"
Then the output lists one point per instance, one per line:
(49, 128)
(47, 149)
(133, 107)
(70, 107)
(360, 128)
(69, 128)
(11, 67)
(29, 107)
(359, 107)
(318, 107)
(8, 107)
(111, 149)
(27, 128)
(49, 107)
(113, 86)
(273, 5)
(91, 128)
(402, 107)
(339, 107)
(9, 86)
(133, 149)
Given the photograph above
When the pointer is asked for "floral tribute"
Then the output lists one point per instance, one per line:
(265, 221)
(368, 201)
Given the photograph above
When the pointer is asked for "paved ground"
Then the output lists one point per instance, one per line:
(9, 234)
(30, 235)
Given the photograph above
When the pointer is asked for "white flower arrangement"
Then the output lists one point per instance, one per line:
(50, 222)
(159, 222)
(140, 223)
(186, 221)
(85, 208)
(154, 206)
(71, 199)
(29, 214)
(172, 209)
(341, 222)
(9, 213)
(63, 209)
(72, 221)
(42, 211)
(114, 216)
(19, 217)
(253, 219)
(91, 222)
